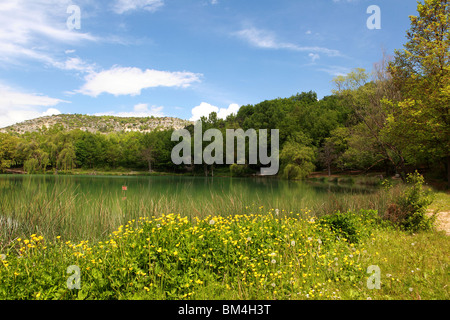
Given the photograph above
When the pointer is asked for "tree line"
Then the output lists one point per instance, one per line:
(394, 119)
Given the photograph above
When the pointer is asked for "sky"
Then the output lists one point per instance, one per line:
(183, 58)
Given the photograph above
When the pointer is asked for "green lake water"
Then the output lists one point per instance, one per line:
(93, 205)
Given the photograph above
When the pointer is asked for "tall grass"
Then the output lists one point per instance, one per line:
(64, 209)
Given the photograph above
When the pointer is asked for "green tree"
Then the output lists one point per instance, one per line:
(31, 166)
(8, 146)
(370, 143)
(67, 158)
(89, 148)
(328, 155)
(421, 71)
(113, 149)
(297, 157)
(33, 157)
(148, 153)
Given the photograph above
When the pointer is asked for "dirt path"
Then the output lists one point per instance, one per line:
(443, 221)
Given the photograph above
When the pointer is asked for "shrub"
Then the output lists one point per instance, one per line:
(409, 209)
(351, 226)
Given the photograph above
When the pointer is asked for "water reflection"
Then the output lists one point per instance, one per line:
(174, 185)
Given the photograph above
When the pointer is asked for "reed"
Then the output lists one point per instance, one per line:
(61, 207)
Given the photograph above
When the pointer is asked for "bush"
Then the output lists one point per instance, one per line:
(351, 226)
(409, 209)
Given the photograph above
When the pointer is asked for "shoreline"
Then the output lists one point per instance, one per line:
(345, 177)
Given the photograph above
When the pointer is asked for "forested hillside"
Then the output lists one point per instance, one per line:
(393, 119)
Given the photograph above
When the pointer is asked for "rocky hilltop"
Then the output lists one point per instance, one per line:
(102, 124)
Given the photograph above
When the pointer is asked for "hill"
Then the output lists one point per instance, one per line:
(103, 124)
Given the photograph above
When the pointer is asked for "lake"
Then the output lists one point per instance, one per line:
(90, 207)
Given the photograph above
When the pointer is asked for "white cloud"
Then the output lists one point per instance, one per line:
(268, 40)
(139, 110)
(130, 81)
(122, 6)
(17, 106)
(232, 109)
(204, 110)
(51, 112)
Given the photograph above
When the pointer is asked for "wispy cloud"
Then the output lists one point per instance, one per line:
(314, 57)
(122, 6)
(268, 40)
(75, 64)
(131, 81)
(335, 70)
(17, 106)
(31, 30)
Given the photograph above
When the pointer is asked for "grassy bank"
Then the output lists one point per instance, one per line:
(230, 244)
(264, 255)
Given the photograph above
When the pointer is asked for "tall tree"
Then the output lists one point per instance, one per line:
(327, 155)
(147, 155)
(297, 157)
(368, 135)
(421, 71)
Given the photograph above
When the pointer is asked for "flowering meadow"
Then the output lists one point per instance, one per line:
(264, 254)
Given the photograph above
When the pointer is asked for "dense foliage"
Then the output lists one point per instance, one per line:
(363, 125)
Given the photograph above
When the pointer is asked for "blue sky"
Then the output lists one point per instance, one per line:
(182, 58)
